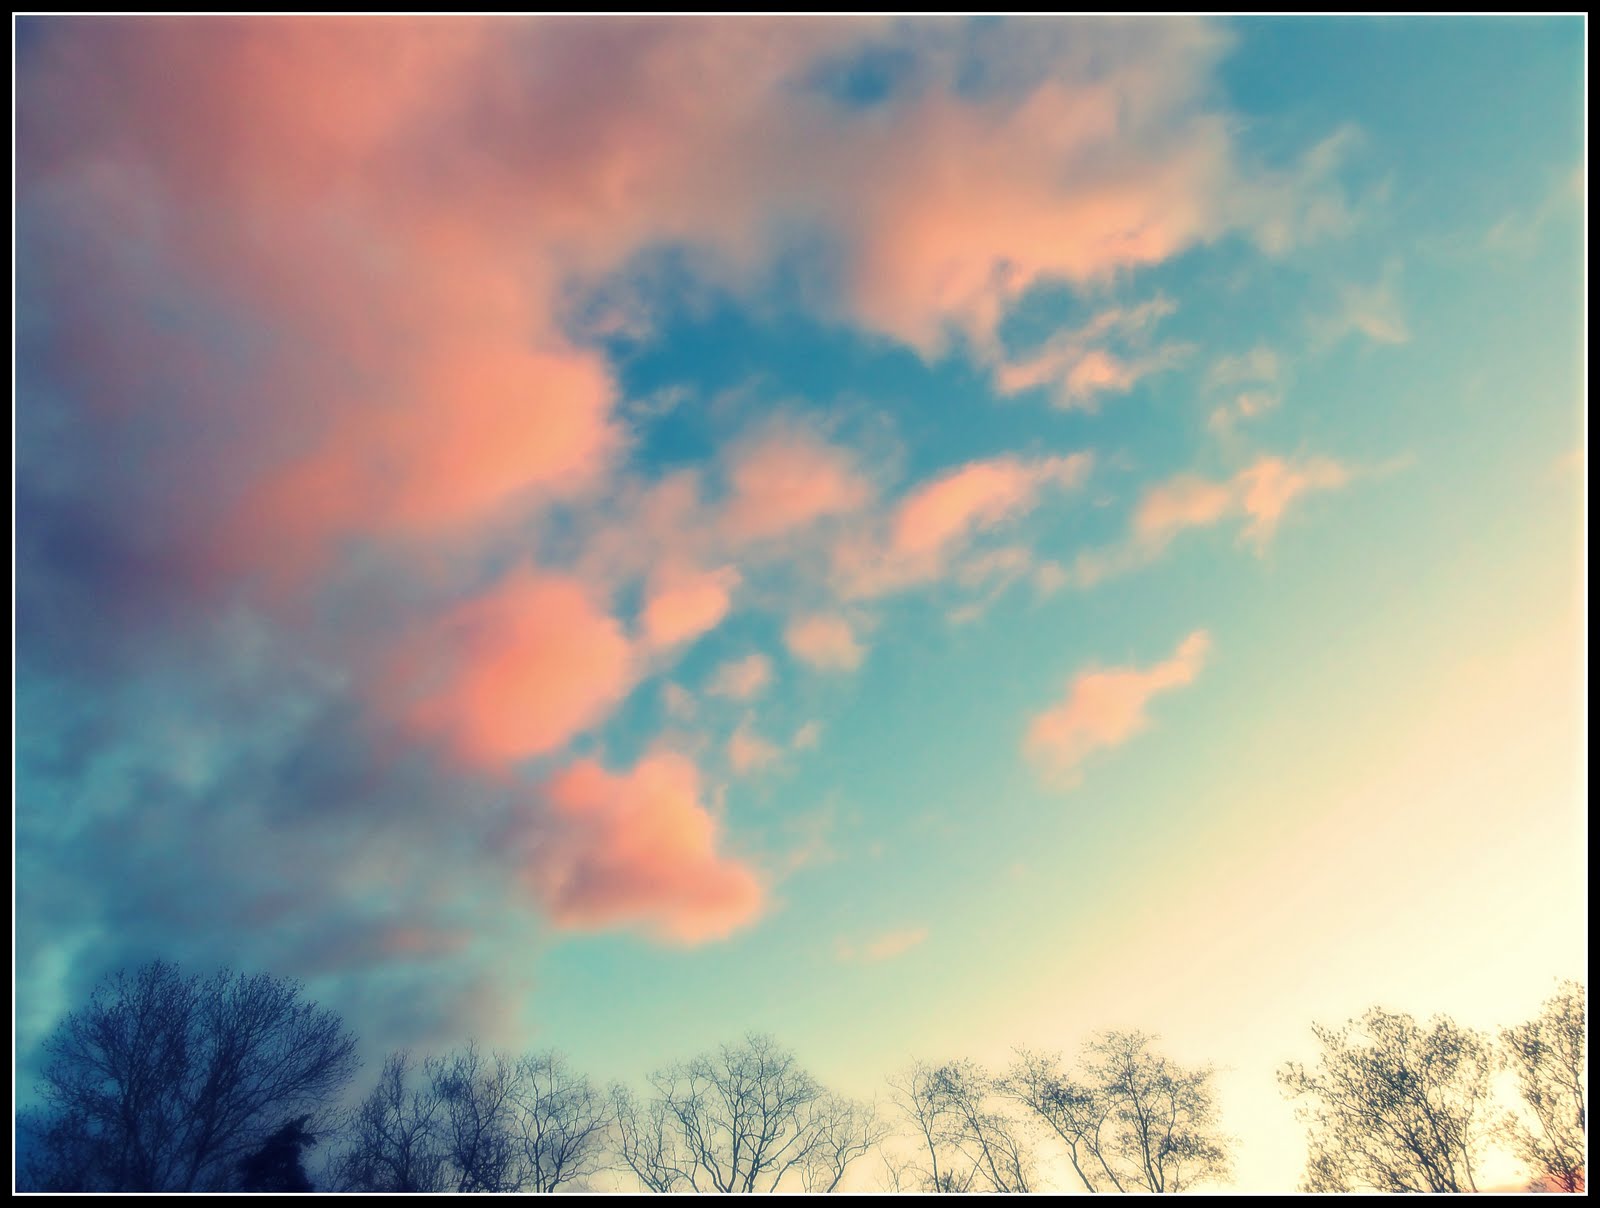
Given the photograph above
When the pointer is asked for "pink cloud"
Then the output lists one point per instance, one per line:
(637, 849)
(1082, 367)
(685, 604)
(1260, 493)
(742, 679)
(939, 519)
(825, 642)
(514, 673)
(1267, 488)
(789, 479)
(1105, 708)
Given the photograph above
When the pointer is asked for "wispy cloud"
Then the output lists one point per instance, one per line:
(878, 949)
(1105, 708)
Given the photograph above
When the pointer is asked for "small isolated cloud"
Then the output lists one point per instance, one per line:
(682, 605)
(807, 736)
(787, 479)
(748, 751)
(881, 948)
(825, 642)
(1105, 708)
(939, 519)
(742, 679)
(1260, 495)
(637, 848)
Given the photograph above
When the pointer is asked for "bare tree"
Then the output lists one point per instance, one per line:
(1394, 1106)
(165, 1082)
(969, 1144)
(1547, 1056)
(843, 1130)
(1163, 1120)
(1131, 1119)
(1078, 1112)
(560, 1123)
(476, 1102)
(394, 1139)
(742, 1119)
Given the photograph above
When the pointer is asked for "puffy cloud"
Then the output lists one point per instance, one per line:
(511, 674)
(742, 679)
(1105, 708)
(825, 642)
(685, 604)
(939, 518)
(788, 479)
(640, 849)
(807, 736)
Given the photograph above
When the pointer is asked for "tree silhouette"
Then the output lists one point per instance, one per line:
(276, 1165)
(1131, 1119)
(164, 1082)
(474, 1122)
(1547, 1056)
(1394, 1106)
(969, 1145)
(745, 1118)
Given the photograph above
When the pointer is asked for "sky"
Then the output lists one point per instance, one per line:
(918, 536)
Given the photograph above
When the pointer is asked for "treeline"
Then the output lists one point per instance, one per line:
(168, 1082)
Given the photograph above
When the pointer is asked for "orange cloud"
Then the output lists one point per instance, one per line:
(515, 673)
(685, 604)
(637, 849)
(1106, 708)
(825, 642)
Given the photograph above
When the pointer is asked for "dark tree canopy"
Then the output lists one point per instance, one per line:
(276, 1166)
(470, 1121)
(166, 1082)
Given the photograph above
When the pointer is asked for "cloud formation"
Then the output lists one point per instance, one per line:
(637, 848)
(1260, 495)
(939, 518)
(319, 370)
(1105, 708)
(825, 642)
